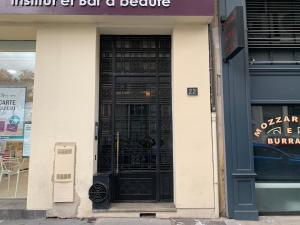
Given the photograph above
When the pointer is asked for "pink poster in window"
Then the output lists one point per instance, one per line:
(12, 103)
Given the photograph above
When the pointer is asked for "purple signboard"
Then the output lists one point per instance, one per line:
(108, 7)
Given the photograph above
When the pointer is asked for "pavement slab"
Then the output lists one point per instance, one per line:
(125, 221)
(196, 222)
(268, 220)
(46, 222)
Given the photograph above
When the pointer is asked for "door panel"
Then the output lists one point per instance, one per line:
(135, 135)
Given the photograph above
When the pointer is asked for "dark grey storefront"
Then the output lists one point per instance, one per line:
(261, 110)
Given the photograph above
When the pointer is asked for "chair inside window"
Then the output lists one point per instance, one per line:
(11, 166)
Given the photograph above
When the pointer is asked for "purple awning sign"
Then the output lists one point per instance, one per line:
(108, 7)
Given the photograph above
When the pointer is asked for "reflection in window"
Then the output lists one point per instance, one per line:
(276, 148)
(273, 34)
(279, 125)
(16, 71)
(265, 152)
(276, 129)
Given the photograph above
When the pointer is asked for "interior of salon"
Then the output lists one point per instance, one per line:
(17, 65)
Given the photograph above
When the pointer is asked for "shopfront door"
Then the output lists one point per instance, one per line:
(135, 141)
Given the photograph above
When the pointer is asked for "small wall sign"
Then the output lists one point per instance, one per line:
(234, 36)
(192, 91)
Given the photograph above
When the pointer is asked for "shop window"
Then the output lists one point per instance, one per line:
(267, 153)
(17, 66)
(276, 148)
(273, 31)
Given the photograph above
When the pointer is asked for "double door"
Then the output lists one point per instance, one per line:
(135, 143)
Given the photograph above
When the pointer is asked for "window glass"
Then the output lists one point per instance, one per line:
(276, 143)
(273, 34)
(277, 126)
(17, 67)
(267, 152)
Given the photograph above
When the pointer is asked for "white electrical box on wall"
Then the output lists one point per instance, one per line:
(64, 172)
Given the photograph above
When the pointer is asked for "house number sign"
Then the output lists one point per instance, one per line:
(192, 91)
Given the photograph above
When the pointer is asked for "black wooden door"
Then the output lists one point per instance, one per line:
(135, 141)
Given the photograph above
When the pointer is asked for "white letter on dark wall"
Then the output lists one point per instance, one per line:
(166, 3)
(110, 3)
(124, 3)
(82, 2)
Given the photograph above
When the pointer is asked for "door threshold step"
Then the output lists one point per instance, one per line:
(139, 207)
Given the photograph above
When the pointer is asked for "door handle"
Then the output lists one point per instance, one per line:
(96, 131)
(118, 151)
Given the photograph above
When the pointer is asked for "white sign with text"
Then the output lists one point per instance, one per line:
(12, 104)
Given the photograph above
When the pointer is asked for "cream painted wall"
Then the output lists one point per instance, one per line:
(15, 32)
(192, 137)
(64, 108)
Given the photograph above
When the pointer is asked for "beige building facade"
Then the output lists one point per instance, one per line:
(66, 106)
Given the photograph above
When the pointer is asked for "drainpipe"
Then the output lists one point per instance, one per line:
(214, 125)
(215, 161)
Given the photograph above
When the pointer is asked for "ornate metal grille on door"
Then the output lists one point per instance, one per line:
(135, 133)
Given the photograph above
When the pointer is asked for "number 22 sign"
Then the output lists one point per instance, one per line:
(192, 91)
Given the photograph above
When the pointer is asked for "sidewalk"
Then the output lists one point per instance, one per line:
(266, 220)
